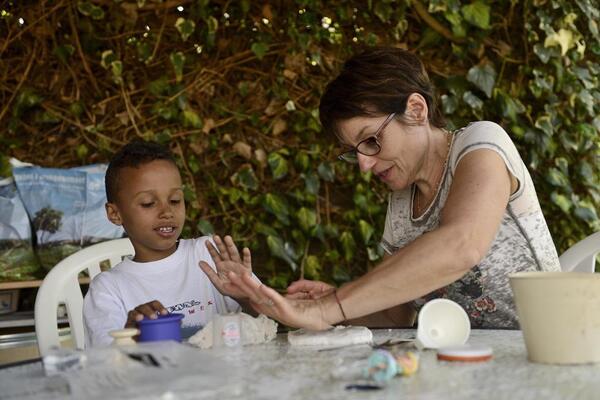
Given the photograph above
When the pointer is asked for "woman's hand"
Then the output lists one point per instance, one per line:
(307, 289)
(227, 259)
(150, 309)
(310, 314)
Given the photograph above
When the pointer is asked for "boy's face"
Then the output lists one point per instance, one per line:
(150, 206)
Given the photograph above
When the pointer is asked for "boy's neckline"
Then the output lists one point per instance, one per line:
(160, 259)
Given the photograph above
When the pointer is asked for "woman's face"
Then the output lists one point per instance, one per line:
(402, 152)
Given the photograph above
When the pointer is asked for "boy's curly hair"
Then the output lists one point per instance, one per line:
(133, 155)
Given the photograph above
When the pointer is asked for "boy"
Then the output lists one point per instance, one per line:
(145, 195)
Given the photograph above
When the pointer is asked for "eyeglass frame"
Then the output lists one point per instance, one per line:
(354, 151)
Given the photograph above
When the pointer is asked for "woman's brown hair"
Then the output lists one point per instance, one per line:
(375, 82)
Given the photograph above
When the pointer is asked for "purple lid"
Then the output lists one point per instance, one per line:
(169, 318)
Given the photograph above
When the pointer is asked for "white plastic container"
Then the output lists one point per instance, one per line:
(442, 323)
(559, 313)
(227, 331)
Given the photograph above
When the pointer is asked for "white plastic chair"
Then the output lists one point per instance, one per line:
(581, 257)
(61, 286)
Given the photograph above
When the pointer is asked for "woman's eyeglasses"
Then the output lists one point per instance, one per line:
(369, 146)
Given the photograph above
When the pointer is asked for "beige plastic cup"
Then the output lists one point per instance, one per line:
(442, 323)
(559, 314)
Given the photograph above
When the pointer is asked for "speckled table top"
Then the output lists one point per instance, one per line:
(277, 371)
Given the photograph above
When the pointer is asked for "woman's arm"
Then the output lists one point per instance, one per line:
(470, 219)
(402, 315)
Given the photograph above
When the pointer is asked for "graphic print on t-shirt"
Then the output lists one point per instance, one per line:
(189, 308)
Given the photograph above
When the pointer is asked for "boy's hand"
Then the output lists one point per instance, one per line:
(227, 259)
(150, 310)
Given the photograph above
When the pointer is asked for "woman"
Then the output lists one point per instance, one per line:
(463, 213)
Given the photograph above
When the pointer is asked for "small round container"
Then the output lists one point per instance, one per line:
(165, 327)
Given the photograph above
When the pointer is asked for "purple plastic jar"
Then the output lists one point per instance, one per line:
(165, 327)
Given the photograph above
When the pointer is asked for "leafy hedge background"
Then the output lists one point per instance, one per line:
(233, 88)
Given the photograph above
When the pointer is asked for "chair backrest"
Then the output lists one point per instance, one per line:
(61, 286)
(581, 257)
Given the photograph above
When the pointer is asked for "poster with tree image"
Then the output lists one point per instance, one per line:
(66, 209)
(17, 259)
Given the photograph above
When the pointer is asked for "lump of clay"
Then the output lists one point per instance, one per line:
(334, 337)
(253, 330)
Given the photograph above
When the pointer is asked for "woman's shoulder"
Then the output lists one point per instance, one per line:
(481, 130)
(482, 134)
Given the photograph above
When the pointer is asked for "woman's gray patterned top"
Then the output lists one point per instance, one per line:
(523, 242)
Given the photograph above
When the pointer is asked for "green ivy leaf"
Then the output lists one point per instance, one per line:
(205, 227)
(302, 160)
(449, 104)
(177, 61)
(585, 170)
(47, 117)
(278, 165)
(282, 250)
(246, 178)
(185, 27)
(586, 212)
(306, 218)
(264, 229)
(159, 86)
(312, 267)
(545, 125)
(348, 245)
(458, 27)
(383, 11)
(259, 49)
(107, 58)
(212, 24)
(588, 101)
(473, 101)
(277, 206)
(85, 8)
(76, 108)
(311, 183)
(82, 151)
(97, 13)
(326, 171)
(144, 51)
(191, 119)
(26, 99)
(477, 14)
(543, 53)
(561, 201)
(484, 77)
(557, 178)
(116, 68)
(64, 52)
(509, 106)
(366, 231)
(168, 112)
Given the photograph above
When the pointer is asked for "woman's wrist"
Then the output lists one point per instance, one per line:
(332, 309)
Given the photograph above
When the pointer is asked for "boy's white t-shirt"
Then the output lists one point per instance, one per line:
(176, 281)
